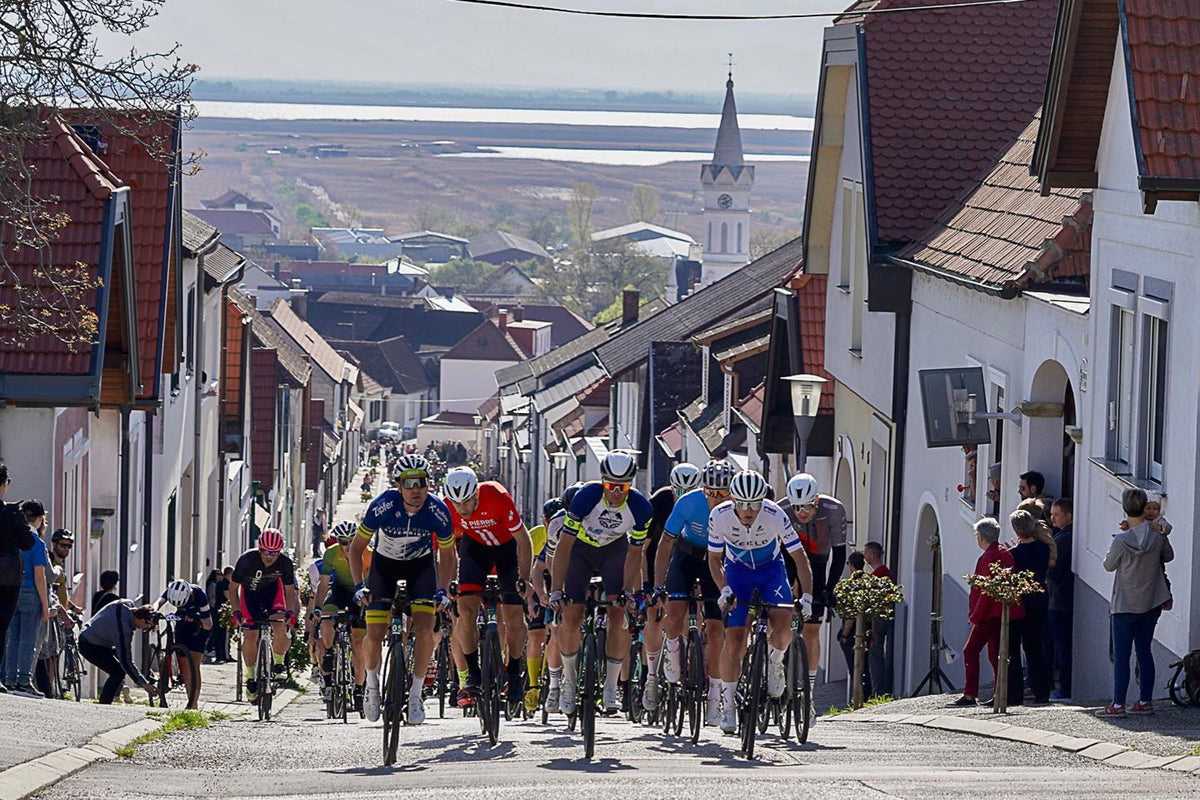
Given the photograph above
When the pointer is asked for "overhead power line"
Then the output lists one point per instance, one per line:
(584, 12)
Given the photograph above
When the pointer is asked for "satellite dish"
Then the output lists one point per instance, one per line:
(954, 402)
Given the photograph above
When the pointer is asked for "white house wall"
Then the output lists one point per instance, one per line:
(466, 383)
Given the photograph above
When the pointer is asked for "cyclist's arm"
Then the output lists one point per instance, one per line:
(232, 596)
(562, 557)
(634, 558)
(803, 569)
(322, 592)
(524, 553)
(292, 597)
(662, 559)
(717, 567)
(357, 548)
(447, 564)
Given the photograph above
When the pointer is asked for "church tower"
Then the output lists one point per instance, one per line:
(726, 184)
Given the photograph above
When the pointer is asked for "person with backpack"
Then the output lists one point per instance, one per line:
(33, 609)
(15, 536)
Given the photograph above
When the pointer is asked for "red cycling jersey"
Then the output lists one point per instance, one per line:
(495, 519)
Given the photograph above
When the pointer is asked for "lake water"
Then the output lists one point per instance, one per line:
(632, 158)
(623, 119)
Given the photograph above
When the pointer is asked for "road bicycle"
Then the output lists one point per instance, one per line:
(796, 704)
(446, 677)
(752, 695)
(70, 670)
(491, 701)
(171, 662)
(341, 675)
(634, 686)
(396, 678)
(593, 662)
(687, 697)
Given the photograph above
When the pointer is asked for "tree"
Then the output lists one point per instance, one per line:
(643, 204)
(462, 273)
(549, 230)
(433, 218)
(591, 280)
(53, 63)
(579, 214)
(763, 241)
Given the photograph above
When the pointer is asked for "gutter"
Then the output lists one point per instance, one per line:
(1003, 292)
(197, 399)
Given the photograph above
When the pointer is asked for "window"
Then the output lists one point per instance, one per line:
(739, 237)
(1120, 400)
(970, 474)
(191, 330)
(724, 237)
(711, 241)
(1155, 394)
(845, 262)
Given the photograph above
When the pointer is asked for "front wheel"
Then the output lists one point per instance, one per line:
(752, 698)
(800, 688)
(394, 683)
(634, 686)
(266, 681)
(491, 698)
(587, 702)
(696, 680)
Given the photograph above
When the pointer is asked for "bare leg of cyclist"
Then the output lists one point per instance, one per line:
(357, 639)
(193, 663)
(372, 658)
(249, 651)
(731, 665)
(676, 619)
(535, 648)
(467, 634)
(554, 666)
(569, 633)
(280, 641)
(514, 634)
(617, 652)
(714, 633)
(422, 628)
(812, 640)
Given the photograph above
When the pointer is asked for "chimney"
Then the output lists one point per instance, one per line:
(299, 299)
(503, 319)
(518, 314)
(629, 306)
(275, 271)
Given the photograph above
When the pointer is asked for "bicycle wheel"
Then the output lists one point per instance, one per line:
(394, 672)
(587, 702)
(753, 696)
(668, 703)
(695, 679)
(178, 692)
(801, 690)
(72, 672)
(266, 686)
(632, 688)
(490, 697)
(443, 674)
(544, 690)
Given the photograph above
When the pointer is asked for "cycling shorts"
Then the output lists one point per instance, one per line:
(262, 604)
(341, 598)
(607, 561)
(476, 561)
(682, 575)
(420, 576)
(192, 636)
(771, 581)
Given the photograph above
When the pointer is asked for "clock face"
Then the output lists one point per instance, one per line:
(725, 201)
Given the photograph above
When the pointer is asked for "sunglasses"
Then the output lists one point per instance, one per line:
(414, 483)
(808, 508)
(747, 505)
(613, 486)
(716, 494)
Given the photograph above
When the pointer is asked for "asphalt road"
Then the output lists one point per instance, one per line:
(300, 754)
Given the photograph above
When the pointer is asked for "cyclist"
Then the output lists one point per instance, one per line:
(821, 524)
(554, 529)
(195, 621)
(605, 527)
(746, 538)
(408, 521)
(334, 593)
(269, 580)
(539, 633)
(492, 536)
(682, 560)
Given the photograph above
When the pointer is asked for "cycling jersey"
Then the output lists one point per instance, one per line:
(689, 519)
(553, 533)
(404, 536)
(756, 546)
(590, 520)
(314, 574)
(335, 565)
(537, 537)
(827, 529)
(255, 576)
(495, 519)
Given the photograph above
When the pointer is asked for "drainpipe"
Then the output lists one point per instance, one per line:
(123, 514)
(900, 419)
(197, 398)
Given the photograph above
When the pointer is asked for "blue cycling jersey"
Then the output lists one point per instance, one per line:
(403, 536)
(689, 519)
(197, 608)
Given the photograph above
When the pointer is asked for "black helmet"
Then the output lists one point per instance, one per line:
(551, 507)
(569, 493)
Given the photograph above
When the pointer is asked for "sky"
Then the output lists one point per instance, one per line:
(443, 42)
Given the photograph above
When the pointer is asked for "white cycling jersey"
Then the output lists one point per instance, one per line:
(553, 533)
(752, 547)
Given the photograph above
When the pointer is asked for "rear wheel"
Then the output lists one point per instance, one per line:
(695, 679)
(753, 696)
(801, 689)
(634, 685)
(544, 690)
(587, 702)
(491, 697)
(72, 672)
(443, 673)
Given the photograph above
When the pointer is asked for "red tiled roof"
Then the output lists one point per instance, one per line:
(751, 406)
(231, 221)
(1164, 59)
(61, 166)
(947, 91)
(671, 439)
(1004, 233)
(810, 295)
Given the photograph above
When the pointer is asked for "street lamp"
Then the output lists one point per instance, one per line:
(806, 401)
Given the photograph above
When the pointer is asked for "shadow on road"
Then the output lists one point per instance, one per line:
(583, 765)
(376, 771)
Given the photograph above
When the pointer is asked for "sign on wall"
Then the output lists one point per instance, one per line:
(951, 399)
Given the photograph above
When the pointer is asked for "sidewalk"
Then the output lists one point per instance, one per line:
(1169, 739)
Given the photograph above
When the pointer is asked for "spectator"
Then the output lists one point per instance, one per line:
(881, 629)
(107, 642)
(318, 532)
(845, 634)
(984, 612)
(15, 536)
(1031, 485)
(33, 608)
(1042, 532)
(62, 541)
(1026, 633)
(220, 633)
(108, 590)
(210, 589)
(1060, 589)
(993, 490)
(1136, 557)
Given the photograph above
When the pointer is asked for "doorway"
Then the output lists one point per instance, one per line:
(171, 535)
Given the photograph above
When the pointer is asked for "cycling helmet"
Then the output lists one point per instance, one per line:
(748, 486)
(569, 493)
(344, 530)
(685, 477)
(270, 541)
(717, 474)
(179, 593)
(802, 490)
(461, 484)
(62, 535)
(410, 466)
(618, 466)
(551, 507)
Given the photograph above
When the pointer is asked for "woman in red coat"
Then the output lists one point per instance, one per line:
(984, 614)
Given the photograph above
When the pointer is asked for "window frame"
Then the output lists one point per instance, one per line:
(1122, 372)
(1154, 376)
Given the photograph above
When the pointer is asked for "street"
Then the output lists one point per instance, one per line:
(300, 754)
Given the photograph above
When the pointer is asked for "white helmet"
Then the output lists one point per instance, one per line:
(685, 477)
(802, 490)
(461, 484)
(717, 474)
(179, 593)
(748, 486)
(618, 466)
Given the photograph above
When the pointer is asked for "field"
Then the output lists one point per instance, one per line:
(394, 178)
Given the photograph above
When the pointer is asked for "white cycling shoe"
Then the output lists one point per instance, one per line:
(712, 714)
(566, 701)
(553, 697)
(371, 703)
(776, 680)
(416, 710)
(650, 693)
(611, 701)
(729, 720)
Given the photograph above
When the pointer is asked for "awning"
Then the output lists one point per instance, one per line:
(356, 415)
(671, 440)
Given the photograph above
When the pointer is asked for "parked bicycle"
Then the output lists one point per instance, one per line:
(171, 662)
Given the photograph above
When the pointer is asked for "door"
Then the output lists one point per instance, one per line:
(170, 542)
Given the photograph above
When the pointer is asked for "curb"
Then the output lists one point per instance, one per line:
(21, 781)
(1117, 755)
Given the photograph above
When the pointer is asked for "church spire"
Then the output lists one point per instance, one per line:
(728, 152)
